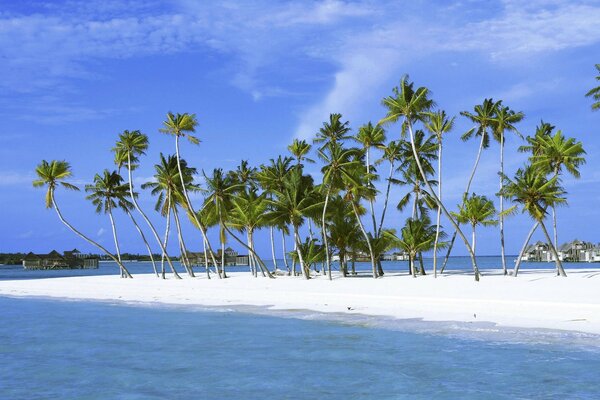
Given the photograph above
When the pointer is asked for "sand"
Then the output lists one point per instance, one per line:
(534, 299)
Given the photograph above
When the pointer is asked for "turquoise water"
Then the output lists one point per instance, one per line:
(88, 350)
(455, 264)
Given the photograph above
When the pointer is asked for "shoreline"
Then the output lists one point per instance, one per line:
(535, 299)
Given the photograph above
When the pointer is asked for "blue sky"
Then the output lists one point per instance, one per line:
(76, 73)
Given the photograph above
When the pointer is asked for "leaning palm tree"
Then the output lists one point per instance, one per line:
(411, 106)
(439, 125)
(484, 117)
(476, 210)
(53, 174)
(595, 92)
(503, 122)
(130, 146)
(371, 136)
(183, 125)
(107, 192)
(535, 193)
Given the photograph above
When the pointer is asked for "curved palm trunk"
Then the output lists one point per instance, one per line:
(185, 261)
(305, 272)
(115, 238)
(502, 251)
(251, 251)
(440, 204)
(473, 238)
(275, 268)
(144, 240)
(366, 235)
(560, 271)
(166, 239)
(251, 263)
(285, 260)
(145, 217)
(465, 194)
(205, 259)
(371, 201)
(310, 229)
(529, 235)
(439, 210)
(324, 234)
(262, 270)
(87, 239)
(222, 240)
(191, 208)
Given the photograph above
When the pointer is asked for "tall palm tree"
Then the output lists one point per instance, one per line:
(167, 186)
(392, 155)
(483, 116)
(476, 210)
(293, 200)
(595, 92)
(338, 161)
(371, 136)
(333, 131)
(130, 146)
(53, 175)
(342, 228)
(299, 149)
(107, 193)
(535, 193)
(440, 125)
(183, 125)
(412, 106)
(504, 121)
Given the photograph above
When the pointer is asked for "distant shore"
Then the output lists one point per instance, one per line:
(535, 299)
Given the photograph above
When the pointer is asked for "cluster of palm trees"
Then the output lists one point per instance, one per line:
(338, 213)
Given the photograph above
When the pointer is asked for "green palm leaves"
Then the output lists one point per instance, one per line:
(108, 192)
(181, 125)
(595, 92)
(53, 174)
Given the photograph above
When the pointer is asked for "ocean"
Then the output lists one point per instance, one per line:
(53, 349)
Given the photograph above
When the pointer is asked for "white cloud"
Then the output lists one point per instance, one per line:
(8, 178)
(100, 232)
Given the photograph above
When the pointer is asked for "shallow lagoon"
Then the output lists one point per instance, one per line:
(92, 350)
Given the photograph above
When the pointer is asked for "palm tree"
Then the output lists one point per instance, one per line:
(293, 200)
(167, 186)
(371, 136)
(476, 210)
(53, 174)
(484, 118)
(555, 153)
(439, 125)
(183, 125)
(299, 149)
(504, 121)
(595, 92)
(535, 193)
(333, 131)
(342, 228)
(413, 106)
(391, 154)
(416, 236)
(338, 161)
(107, 193)
(130, 146)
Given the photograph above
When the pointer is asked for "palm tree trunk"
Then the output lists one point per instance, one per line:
(364, 232)
(145, 217)
(473, 239)
(166, 239)
(310, 230)
(560, 271)
(305, 272)
(465, 194)
(502, 250)
(144, 240)
(285, 260)
(263, 267)
(251, 261)
(273, 248)
(87, 239)
(387, 196)
(191, 208)
(529, 235)
(184, 258)
(421, 265)
(324, 233)
(439, 210)
(205, 259)
(371, 201)
(115, 238)
(251, 251)
(440, 204)
(222, 240)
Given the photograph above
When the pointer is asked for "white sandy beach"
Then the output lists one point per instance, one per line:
(532, 300)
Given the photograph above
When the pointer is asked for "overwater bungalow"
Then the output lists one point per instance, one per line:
(72, 259)
(232, 258)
